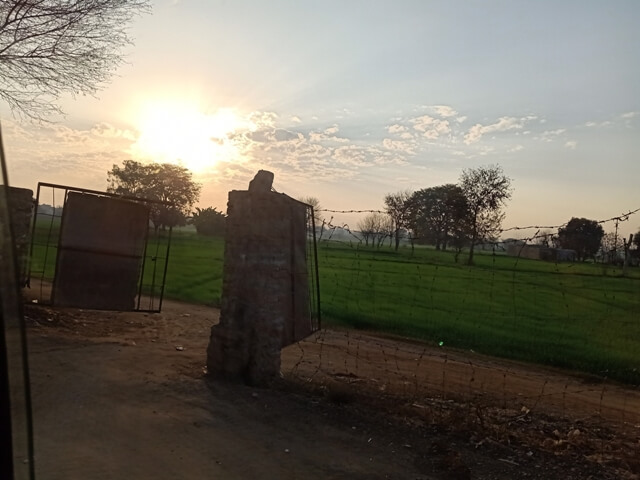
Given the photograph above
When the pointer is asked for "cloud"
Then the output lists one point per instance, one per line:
(629, 115)
(445, 111)
(273, 135)
(606, 123)
(550, 135)
(296, 119)
(106, 130)
(327, 135)
(263, 119)
(399, 146)
(571, 144)
(351, 155)
(396, 128)
(431, 128)
(503, 124)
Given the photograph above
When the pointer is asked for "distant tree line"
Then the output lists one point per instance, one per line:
(470, 213)
(451, 216)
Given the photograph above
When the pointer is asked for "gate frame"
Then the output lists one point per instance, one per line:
(145, 201)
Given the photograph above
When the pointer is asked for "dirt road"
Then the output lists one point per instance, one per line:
(124, 395)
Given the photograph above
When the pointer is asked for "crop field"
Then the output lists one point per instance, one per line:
(584, 317)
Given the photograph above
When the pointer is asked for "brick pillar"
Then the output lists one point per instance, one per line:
(21, 203)
(264, 303)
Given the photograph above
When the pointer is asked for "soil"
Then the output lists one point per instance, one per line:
(126, 395)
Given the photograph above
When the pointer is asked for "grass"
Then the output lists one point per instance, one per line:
(578, 316)
(195, 268)
(567, 315)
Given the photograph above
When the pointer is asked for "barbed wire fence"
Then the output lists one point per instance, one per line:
(509, 347)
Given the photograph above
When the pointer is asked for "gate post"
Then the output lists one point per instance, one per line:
(265, 296)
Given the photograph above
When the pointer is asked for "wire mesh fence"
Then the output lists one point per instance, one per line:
(508, 337)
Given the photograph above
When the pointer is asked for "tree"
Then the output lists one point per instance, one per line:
(634, 244)
(318, 218)
(165, 182)
(436, 212)
(49, 48)
(209, 221)
(487, 190)
(544, 238)
(375, 227)
(398, 206)
(612, 248)
(582, 235)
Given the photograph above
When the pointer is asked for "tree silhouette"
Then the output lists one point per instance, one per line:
(49, 48)
(487, 190)
(398, 207)
(436, 212)
(157, 181)
(582, 235)
(209, 221)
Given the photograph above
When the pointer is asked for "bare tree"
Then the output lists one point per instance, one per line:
(487, 190)
(53, 47)
(543, 238)
(375, 227)
(318, 218)
(611, 247)
(398, 208)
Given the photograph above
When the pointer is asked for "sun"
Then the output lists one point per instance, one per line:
(178, 132)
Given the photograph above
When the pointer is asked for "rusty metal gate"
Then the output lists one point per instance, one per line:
(92, 249)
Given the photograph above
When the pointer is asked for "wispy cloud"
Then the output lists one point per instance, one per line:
(550, 135)
(503, 124)
(571, 144)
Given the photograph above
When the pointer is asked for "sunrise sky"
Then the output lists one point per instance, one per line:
(350, 100)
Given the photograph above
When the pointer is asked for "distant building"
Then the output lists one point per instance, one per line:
(540, 252)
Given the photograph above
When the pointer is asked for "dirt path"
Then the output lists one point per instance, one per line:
(123, 395)
(415, 371)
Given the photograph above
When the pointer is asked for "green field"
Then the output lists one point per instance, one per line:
(579, 316)
(584, 317)
(576, 316)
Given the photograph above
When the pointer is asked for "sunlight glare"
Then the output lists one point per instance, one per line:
(180, 133)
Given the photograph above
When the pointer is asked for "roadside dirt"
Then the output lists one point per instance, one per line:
(125, 395)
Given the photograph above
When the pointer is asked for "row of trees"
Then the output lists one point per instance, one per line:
(589, 240)
(470, 212)
(452, 215)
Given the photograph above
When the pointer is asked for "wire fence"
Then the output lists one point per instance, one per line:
(515, 345)
(514, 348)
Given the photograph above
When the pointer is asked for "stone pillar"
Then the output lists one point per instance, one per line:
(265, 299)
(21, 205)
